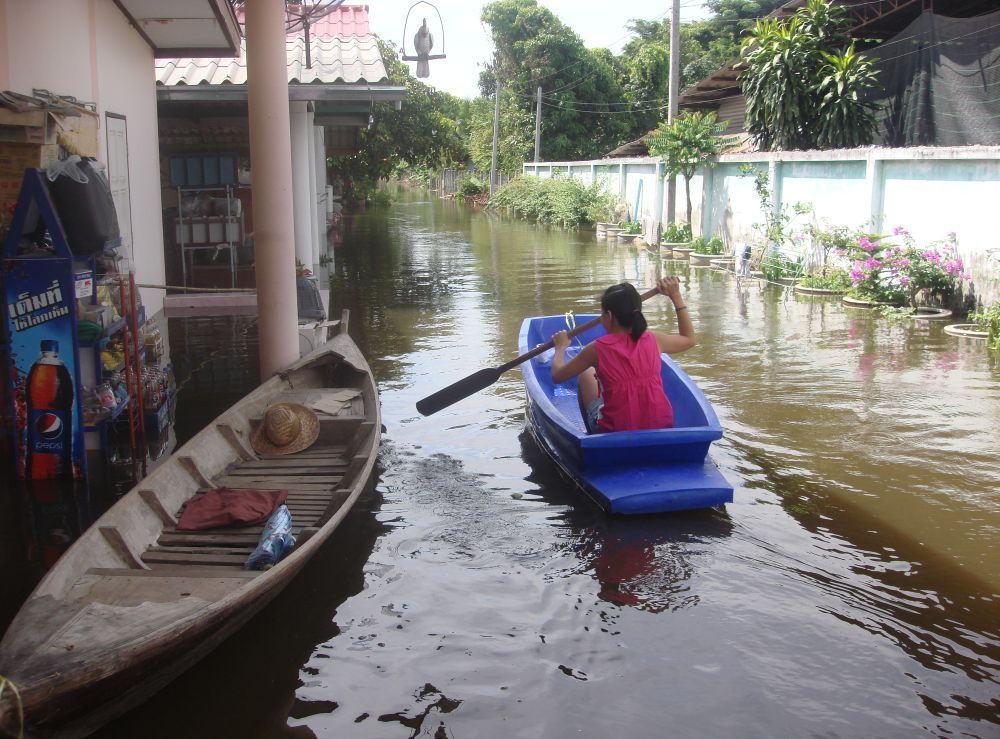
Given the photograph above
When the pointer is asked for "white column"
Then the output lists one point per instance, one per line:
(313, 196)
(271, 164)
(301, 166)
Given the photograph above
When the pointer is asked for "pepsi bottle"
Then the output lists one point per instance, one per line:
(49, 449)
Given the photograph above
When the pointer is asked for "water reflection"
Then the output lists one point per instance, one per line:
(642, 562)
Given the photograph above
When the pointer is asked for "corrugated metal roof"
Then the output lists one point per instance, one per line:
(341, 48)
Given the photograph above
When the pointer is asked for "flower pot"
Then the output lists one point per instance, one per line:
(817, 291)
(928, 313)
(602, 229)
(612, 232)
(788, 280)
(700, 259)
(967, 330)
(624, 238)
(859, 303)
(681, 252)
(727, 264)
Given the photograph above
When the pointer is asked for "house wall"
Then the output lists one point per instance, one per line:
(94, 55)
(931, 191)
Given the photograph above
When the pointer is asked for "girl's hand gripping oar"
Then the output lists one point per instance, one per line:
(485, 377)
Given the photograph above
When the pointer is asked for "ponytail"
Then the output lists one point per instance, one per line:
(626, 306)
(638, 324)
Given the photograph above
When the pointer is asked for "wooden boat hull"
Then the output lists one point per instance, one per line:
(629, 472)
(134, 602)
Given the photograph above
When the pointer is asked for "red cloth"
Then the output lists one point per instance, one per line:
(221, 507)
(631, 386)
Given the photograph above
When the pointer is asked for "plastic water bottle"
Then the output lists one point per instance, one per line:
(275, 542)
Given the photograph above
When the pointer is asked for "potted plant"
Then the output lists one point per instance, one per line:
(629, 231)
(985, 324)
(705, 250)
(988, 320)
(676, 237)
(825, 281)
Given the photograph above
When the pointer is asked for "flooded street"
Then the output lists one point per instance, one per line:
(852, 589)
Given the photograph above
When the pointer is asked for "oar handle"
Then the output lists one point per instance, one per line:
(575, 332)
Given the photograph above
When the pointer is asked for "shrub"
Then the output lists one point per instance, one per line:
(472, 187)
(778, 265)
(557, 200)
(899, 270)
(380, 196)
(828, 279)
(630, 227)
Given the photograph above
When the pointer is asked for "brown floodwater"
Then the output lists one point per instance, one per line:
(852, 588)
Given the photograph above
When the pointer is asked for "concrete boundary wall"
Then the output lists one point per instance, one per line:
(928, 190)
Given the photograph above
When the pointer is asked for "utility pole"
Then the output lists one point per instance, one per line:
(675, 80)
(496, 140)
(538, 124)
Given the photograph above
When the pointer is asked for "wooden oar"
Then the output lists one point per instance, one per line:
(485, 377)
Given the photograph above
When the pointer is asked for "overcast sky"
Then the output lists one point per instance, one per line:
(467, 44)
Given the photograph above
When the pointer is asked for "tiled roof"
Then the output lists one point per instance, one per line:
(347, 21)
(341, 47)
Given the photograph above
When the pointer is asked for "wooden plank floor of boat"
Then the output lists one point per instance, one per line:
(312, 478)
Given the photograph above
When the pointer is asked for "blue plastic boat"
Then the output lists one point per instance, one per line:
(625, 472)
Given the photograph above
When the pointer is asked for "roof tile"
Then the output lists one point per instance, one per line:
(341, 50)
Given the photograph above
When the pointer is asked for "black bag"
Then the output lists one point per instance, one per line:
(87, 210)
(310, 303)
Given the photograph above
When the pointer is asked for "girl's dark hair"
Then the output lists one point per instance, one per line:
(626, 306)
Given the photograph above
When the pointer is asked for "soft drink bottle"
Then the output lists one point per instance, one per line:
(49, 450)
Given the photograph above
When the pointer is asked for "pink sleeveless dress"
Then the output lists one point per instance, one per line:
(628, 372)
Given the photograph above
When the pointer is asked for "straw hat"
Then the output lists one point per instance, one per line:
(286, 428)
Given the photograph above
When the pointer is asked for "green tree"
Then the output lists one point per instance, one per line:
(804, 83)
(585, 111)
(517, 137)
(425, 134)
(690, 141)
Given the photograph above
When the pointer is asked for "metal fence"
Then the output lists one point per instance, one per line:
(447, 181)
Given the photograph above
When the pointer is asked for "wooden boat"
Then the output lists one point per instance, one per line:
(135, 601)
(625, 472)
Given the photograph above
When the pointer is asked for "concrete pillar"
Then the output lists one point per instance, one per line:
(659, 192)
(301, 166)
(874, 181)
(271, 164)
(708, 228)
(774, 180)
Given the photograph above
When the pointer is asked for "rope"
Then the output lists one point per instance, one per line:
(199, 289)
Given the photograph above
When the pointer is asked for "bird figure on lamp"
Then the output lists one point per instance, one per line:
(423, 42)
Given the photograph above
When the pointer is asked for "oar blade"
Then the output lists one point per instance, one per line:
(455, 392)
